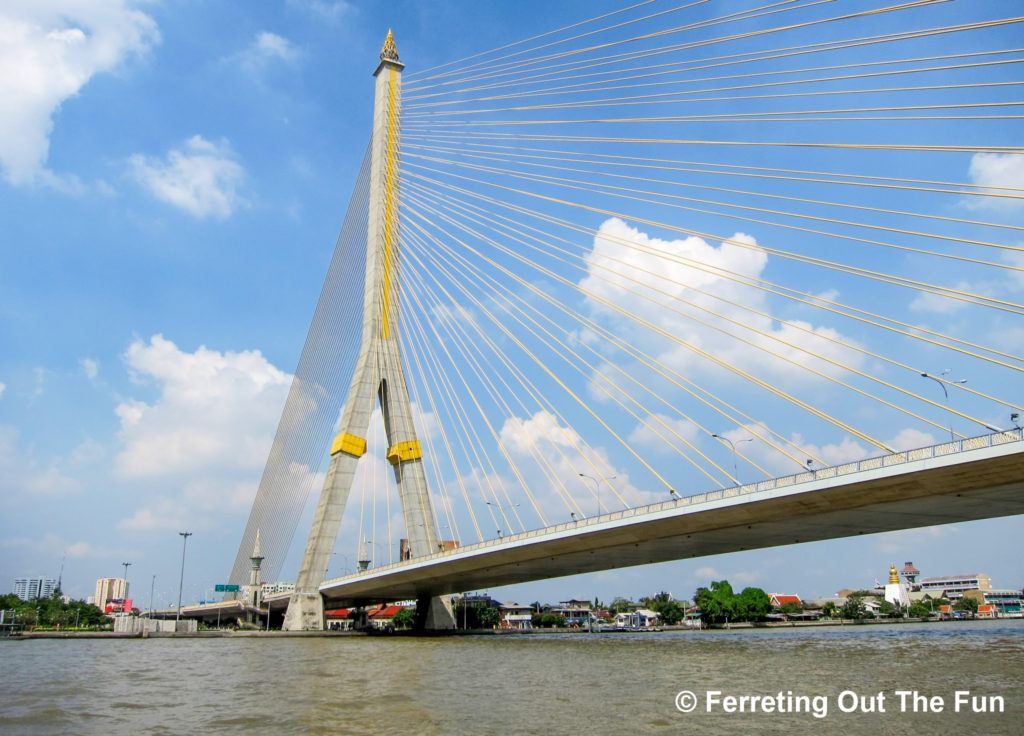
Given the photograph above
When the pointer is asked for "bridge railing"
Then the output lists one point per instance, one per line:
(830, 471)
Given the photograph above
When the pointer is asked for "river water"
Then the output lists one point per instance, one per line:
(525, 684)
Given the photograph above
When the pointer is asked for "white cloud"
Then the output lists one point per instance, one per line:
(90, 367)
(203, 179)
(266, 48)
(87, 452)
(1010, 282)
(40, 382)
(1015, 278)
(650, 279)
(23, 472)
(663, 434)
(704, 576)
(45, 546)
(331, 10)
(48, 51)
(272, 46)
(905, 541)
(837, 453)
(706, 573)
(201, 505)
(216, 411)
(911, 439)
(927, 301)
(3, 387)
(550, 457)
(998, 172)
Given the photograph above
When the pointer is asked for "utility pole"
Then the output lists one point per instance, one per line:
(124, 597)
(184, 540)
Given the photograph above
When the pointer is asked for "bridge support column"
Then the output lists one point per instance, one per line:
(378, 374)
(435, 614)
(305, 612)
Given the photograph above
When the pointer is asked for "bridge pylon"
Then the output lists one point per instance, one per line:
(378, 375)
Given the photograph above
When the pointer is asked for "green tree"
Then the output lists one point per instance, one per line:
(404, 619)
(621, 605)
(53, 611)
(660, 597)
(551, 620)
(854, 608)
(752, 604)
(967, 605)
(716, 603)
(670, 612)
(488, 616)
(919, 610)
(886, 608)
(829, 609)
(789, 608)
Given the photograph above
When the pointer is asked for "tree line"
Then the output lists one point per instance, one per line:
(52, 612)
(719, 604)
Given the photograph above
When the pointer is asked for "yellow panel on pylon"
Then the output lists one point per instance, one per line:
(350, 444)
(404, 451)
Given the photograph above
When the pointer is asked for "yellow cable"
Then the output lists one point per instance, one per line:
(626, 347)
(956, 294)
(934, 236)
(594, 369)
(813, 301)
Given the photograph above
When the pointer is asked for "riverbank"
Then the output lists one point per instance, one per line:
(738, 627)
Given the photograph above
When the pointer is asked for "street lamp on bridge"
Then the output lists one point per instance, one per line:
(735, 472)
(597, 488)
(945, 392)
(501, 512)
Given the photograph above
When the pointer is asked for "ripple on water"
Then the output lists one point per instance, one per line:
(542, 684)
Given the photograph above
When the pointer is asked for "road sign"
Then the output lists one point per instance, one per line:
(225, 588)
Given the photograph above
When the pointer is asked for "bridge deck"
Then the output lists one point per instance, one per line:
(971, 479)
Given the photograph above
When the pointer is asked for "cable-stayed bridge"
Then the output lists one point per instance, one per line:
(971, 479)
(590, 274)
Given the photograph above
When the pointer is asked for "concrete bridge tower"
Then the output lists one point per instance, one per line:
(378, 375)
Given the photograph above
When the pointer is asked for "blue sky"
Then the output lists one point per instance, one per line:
(173, 176)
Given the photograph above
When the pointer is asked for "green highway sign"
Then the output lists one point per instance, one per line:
(225, 588)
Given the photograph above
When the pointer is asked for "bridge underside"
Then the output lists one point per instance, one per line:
(937, 492)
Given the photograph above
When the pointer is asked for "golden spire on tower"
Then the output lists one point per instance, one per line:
(389, 52)
(894, 577)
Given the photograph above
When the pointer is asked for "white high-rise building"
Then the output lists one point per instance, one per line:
(109, 589)
(29, 588)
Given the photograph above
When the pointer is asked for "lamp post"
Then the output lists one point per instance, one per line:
(945, 392)
(343, 557)
(735, 472)
(152, 586)
(597, 488)
(184, 540)
(124, 597)
(501, 512)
